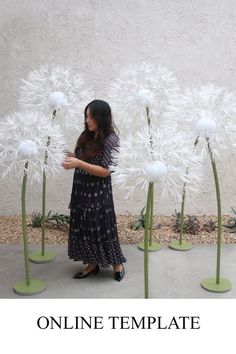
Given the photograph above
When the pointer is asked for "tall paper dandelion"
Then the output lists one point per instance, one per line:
(22, 156)
(208, 113)
(60, 93)
(140, 97)
(155, 157)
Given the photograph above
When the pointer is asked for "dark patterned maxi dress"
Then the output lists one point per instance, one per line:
(93, 236)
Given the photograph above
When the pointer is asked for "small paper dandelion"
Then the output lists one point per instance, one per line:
(59, 91)
(24, 137)
(156, 157)
(206, 112)
(138, 89)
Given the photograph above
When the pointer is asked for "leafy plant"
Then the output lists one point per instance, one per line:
(141, 221)
(36, 219)
(209, 225)
(231, 222)
(60, 221)
(191, 223)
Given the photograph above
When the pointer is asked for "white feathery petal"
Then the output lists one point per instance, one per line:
(24, 138)
(59, 89)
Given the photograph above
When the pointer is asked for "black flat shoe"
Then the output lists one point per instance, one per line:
(81, 275)
(118, 276)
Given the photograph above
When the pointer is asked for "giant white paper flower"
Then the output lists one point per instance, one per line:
(24, 138)
(136, 89)
(208, 112)
(59, 90)
(157, 156)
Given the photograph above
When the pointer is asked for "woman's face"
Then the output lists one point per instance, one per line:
(91, 123)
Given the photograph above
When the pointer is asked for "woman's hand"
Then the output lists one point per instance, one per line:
(69, 153)
(94, 170)
(70, 162)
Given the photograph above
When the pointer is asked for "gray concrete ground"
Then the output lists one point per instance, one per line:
(173, 274)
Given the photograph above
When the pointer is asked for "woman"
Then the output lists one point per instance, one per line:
(93, 234)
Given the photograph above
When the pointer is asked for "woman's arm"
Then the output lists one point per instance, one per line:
(95, 170)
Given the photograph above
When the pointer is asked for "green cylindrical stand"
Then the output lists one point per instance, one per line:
(38, 257)
(183, 246)
(151, 248)
(35, 287)
(210, 284)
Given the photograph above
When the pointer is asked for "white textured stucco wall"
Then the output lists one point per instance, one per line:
(194, 39)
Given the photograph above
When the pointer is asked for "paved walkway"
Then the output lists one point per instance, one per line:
(173, 274)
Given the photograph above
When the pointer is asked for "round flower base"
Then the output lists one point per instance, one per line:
(36, 286)
(151, 248)
(183, 246)
(209, 284)
(38, 257)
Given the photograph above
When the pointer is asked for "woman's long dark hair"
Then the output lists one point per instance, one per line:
(91, 144)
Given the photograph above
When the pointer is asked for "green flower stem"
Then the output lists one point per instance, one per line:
(148, 116)
(146, 240)
(44, 192)
(43, 213)
(24, 225)
(196, 141)
(150, 222)
(182, 214)
(183, 204)
(151, 213)
(149, 127)
(219, 222)
(44, 199)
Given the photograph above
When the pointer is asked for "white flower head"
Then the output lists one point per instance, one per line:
(140, 88)
(144, 97)
(156, 157)
(59, 90)
(57, 100)
(156, 172)
(208, 112)
(26, 137)
(28, 149)
(206, 125)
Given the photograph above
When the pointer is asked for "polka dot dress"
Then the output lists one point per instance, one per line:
(93, 236)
